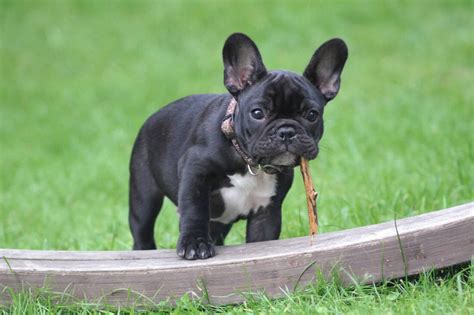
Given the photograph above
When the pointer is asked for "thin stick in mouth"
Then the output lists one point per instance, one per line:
(311, 196)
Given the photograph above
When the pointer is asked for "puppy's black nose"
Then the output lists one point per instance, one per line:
(286, 133)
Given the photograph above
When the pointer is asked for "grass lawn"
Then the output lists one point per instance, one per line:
(78, 78)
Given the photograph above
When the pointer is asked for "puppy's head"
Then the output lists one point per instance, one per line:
(280, 113)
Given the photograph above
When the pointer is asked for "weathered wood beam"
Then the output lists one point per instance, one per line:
(369, 254)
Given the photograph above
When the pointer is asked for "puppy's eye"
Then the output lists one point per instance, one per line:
(257, 113)
(312, 115)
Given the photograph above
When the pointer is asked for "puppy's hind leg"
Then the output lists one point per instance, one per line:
(145, 201)
(143, 212)
(219, 231)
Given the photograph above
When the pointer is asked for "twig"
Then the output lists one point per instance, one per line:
(311, 196)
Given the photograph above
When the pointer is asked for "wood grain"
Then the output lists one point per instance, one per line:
(367, 254)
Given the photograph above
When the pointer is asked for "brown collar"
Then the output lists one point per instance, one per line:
(227, 128)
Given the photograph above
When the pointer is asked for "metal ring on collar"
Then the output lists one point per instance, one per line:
(252, 172)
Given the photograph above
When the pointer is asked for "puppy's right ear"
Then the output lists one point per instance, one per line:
(243, 64)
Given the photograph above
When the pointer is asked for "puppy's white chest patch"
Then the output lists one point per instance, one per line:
(248, 193)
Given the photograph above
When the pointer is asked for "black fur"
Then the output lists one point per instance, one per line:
(181, 153)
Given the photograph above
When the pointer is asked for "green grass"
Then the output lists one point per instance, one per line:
(78, 78)
(430, 294)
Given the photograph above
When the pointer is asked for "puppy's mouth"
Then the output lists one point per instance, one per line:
(284, 154)
(285, 159)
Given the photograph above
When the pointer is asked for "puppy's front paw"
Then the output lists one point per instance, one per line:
(195, 247)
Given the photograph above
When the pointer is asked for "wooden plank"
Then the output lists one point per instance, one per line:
(369, 254)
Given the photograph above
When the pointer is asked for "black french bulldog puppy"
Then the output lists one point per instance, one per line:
(221, 158)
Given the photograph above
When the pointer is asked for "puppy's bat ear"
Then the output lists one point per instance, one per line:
(243, 64)
(325, 68)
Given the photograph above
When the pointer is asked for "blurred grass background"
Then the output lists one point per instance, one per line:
(78, 78)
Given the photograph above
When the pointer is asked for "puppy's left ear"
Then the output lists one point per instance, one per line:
(325, 68)
(243, 64)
